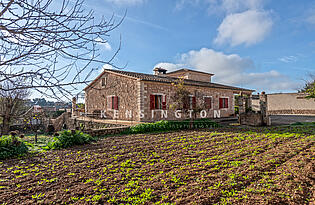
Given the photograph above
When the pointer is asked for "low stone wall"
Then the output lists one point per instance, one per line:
(290, 103)
(251, 119)
(289, 119)
(106, 131)
(89, 125)
(64, 118)
(291, 112)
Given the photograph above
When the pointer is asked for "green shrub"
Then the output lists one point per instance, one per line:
(11, 146)
(165, 125)
(69, 138)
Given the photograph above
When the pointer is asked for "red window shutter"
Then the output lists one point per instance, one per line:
(194, 102)
(221, 103)
(226, 103)
(164, 102)
(152, 102)
(115, 102)
(208, 103)
(185, 102)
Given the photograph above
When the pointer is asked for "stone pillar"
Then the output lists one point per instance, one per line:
(74, 107)
(263, 108)
(250, 101)
(241, 103)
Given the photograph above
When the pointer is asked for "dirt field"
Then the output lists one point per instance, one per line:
(220, 166)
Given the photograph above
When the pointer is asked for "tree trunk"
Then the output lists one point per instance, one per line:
(6, 124)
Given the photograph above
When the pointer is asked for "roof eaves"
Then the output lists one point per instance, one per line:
(109, 71)
(96, 79)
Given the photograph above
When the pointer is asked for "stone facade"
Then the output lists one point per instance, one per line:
(127, 89)
(134, 98)
(169, 91)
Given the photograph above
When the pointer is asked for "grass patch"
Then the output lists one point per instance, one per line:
(164, 126)
(303, 124)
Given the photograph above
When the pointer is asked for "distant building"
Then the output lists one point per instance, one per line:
(40, 109)
(142, 97)
(37, 109)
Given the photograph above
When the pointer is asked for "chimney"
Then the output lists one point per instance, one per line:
(159, 71)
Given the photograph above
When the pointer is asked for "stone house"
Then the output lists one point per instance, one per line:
(124, 95)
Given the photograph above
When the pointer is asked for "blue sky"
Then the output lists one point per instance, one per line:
(259, 44)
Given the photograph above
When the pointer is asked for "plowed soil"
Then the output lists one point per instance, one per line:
(217, 166)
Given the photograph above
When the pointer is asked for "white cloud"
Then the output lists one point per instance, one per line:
(235, 6)
(246, 21)
(249, 27)
(126, 2)
(311, 19)
(107, 46)
(180, 4)
(107, 66)
(288, 59)
(219, 6)
(233, 70)
(104, 43)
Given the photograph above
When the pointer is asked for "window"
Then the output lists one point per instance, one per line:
(207, 102)
(190, 102)
(103, 82)
(157, 102)
(112, 102)
(223, 103)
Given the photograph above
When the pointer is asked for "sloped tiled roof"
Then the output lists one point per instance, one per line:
(166, 79)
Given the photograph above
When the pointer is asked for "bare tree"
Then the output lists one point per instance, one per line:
(181, 99)
(52, 45)
(11, 103)
(181, 96)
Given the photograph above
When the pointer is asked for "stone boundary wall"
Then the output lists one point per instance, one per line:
(291, 112)
(290, 104)
(94, 125)
(289, 119)
(106, 131)
(64, 118)
(251, 119)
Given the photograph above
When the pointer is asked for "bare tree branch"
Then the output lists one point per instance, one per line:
(52, 46)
